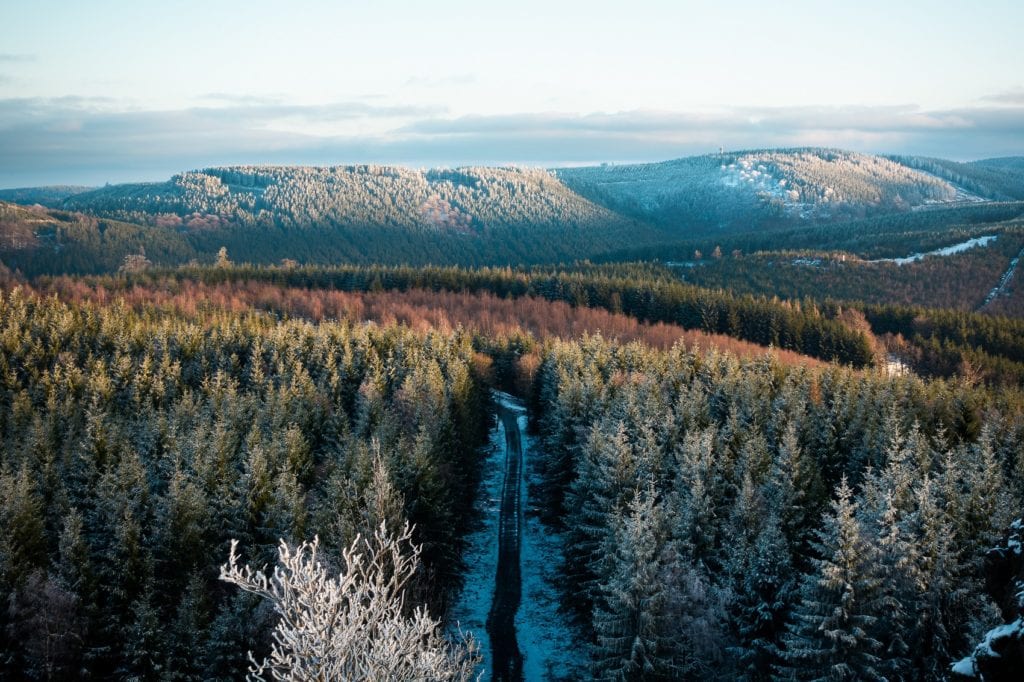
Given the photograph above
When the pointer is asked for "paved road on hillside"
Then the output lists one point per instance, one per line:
(501, 622)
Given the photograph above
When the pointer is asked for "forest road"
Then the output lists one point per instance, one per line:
(507, 659)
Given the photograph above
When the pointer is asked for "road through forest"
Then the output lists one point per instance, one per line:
(509, 601)
(507, 659)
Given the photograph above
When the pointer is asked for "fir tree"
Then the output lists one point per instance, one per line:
(630, 610)
(833, 635)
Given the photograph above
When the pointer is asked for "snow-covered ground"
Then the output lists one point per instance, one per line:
(551, 649)
(945, 251)
(758, 178)
(962, 195)
(469, 612)
(895, 366)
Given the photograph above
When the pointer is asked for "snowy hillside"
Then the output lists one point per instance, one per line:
(458, 200)
(757, 187)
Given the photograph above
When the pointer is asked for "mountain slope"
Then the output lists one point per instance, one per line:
(759, 188)
(50, 195)
(499, 216)
(374, 213)
(35, 241)
(998, 179)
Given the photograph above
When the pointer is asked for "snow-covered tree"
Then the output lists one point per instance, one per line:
(605, 480)
(633, 634)
(764, 593)
(833, 635)
(353, 626)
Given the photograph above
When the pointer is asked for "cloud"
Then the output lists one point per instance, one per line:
(11, 57)
(92, 140)
(1014, 96)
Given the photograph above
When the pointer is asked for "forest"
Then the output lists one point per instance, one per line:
(137, 444)
(257, 420)
(746, 520)
(709, 492)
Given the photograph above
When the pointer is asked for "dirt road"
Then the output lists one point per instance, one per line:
(507, 661)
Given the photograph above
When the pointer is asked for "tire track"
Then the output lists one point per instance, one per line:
(507, 659)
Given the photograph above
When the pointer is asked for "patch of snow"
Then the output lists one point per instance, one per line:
(965, 666)
(552, 648)
(968, 666)
(960, 196)
(469, 612)
(1004, 280)
(944, 251)
(895, 367)
(1014, 629)
(509, 402)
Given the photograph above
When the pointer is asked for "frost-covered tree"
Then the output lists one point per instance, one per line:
(765, 592)
(630, 618)
(604, 483)
(697, 489)
(353, 626)
(834, 630)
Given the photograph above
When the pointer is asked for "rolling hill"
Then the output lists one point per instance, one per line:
(505, 216)
(765, 188)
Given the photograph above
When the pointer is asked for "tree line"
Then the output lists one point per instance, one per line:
(135, 444)
(809, 330)
(745, 520)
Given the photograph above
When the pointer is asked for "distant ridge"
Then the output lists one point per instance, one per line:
(498, 215)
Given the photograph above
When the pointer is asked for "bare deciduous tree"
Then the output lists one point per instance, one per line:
(353, 626)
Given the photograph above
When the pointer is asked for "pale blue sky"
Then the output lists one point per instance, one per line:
(114, 90)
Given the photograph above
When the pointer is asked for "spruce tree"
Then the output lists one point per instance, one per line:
(833, 632)
(764, 594)
(629, 614)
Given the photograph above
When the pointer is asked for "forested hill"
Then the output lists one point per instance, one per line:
(36, 240)
(465, 200)
(736, 190)
(1000, 179)
(772, 187)
(374, 214)
(488, 216)
(51, 195)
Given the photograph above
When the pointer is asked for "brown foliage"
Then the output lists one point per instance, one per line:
(418, 309)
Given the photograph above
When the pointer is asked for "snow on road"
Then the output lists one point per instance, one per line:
(470, 610)
(552, 649)
(1004, 280)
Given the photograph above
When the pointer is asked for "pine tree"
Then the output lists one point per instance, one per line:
(604, 483)
(832, 635)
(794, 489)
(764, 594)
(937, 595)
(23, 541)
(629, 612)
(697, 490)
(897, 556)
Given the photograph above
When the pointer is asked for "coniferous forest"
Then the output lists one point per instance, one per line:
(755, 415)
(537, 341)
(725, 510)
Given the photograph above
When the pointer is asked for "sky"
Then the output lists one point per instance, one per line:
(116, 91)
